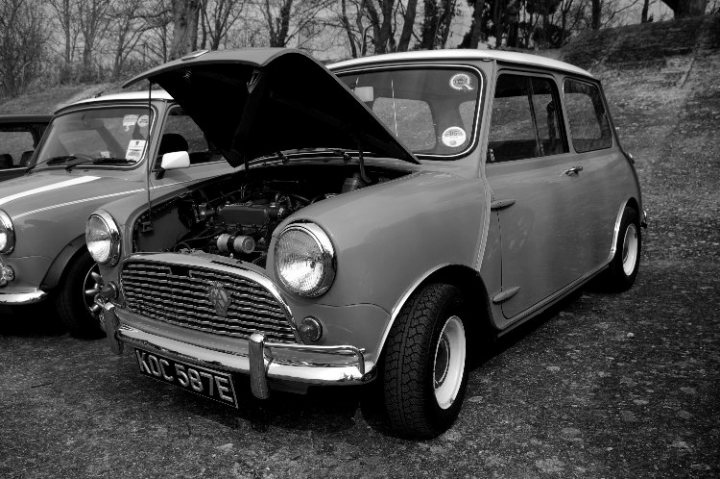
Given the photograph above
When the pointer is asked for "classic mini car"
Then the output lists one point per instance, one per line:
(94, 151)
(382, 224)
(19, 135)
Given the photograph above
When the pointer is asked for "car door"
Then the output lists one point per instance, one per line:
(535, 191)
(602, 168)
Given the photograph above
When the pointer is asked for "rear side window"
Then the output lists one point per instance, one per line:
(15, 148)
(589, 125)
(525, 119)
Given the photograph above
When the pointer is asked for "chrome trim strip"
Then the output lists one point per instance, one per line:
(616, 230)
(115, 239)
(30, 297)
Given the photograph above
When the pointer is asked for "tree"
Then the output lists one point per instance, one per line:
(185, 27)
(438, 15)
(127, 26)
(94, 22)
(22, 44)
(287, 20)
(686, 8)
(218, 17)
(381, 14)
(66, 13)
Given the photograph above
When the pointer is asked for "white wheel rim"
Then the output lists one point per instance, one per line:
(630, 249)
(449, 362)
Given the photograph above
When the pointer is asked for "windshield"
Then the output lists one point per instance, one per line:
(106, 137)
(431, 111)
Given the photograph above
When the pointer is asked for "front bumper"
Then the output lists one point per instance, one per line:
(22, 296)
(261, 360)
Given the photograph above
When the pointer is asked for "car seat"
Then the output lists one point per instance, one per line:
(6, 161)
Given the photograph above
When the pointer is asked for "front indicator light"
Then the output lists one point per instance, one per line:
(7, 274)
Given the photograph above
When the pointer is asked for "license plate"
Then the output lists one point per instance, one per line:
(205, 382)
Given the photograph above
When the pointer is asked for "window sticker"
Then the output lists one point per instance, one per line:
(143, 121)
(454, 137)
(105, 154)
(129, 121)
(135, 150)
(461, 81)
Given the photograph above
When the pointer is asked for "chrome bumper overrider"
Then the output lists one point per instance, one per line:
(257, 358)
(22, 297)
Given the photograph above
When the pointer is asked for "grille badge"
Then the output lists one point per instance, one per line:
(219, 298)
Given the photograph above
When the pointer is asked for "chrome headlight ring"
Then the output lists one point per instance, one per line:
(102, 237)
(7, 233)
(305, 261)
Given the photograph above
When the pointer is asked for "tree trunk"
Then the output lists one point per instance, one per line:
(644, 14)
(185, 27)
(596, 12)
(408, 26)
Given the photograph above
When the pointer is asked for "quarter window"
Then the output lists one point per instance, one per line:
(525, 119)
(589, 125)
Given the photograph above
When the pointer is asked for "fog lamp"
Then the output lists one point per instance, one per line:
(310, 330)
(7, 274)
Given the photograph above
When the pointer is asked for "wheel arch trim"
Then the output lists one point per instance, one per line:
(60, 263)
(466, 279)
(618, 221)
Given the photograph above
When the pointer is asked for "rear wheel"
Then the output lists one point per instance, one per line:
(624, 266)
(75, 298)
(424, 372)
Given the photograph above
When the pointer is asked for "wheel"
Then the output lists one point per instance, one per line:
(75, 297)
(424, 371)
(624, 266)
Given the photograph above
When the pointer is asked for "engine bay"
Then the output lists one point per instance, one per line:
(235, 216)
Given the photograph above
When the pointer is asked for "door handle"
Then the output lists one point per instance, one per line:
(574, 171)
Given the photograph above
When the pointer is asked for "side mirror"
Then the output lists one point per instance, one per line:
(175, 160)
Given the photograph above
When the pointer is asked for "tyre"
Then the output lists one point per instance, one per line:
(624, 266)
(424, 371)
(74, 298)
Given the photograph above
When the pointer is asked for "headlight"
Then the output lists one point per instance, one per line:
(7, 233)
(102, 238)
(305, 260)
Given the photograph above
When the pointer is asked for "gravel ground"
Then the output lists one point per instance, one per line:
(604, 386)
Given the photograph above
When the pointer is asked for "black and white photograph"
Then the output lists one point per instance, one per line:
(281, 239)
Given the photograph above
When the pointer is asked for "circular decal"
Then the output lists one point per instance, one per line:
(454, 136)
(143, 121)
(461, 81)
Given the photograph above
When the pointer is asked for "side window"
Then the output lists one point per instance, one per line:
(182, 134)
(13, 148)
(525, 119)
(589, 125)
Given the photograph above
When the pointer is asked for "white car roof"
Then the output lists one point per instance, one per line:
(463, 54)
(156, 94)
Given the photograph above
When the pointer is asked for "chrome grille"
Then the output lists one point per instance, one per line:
(179, 295)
